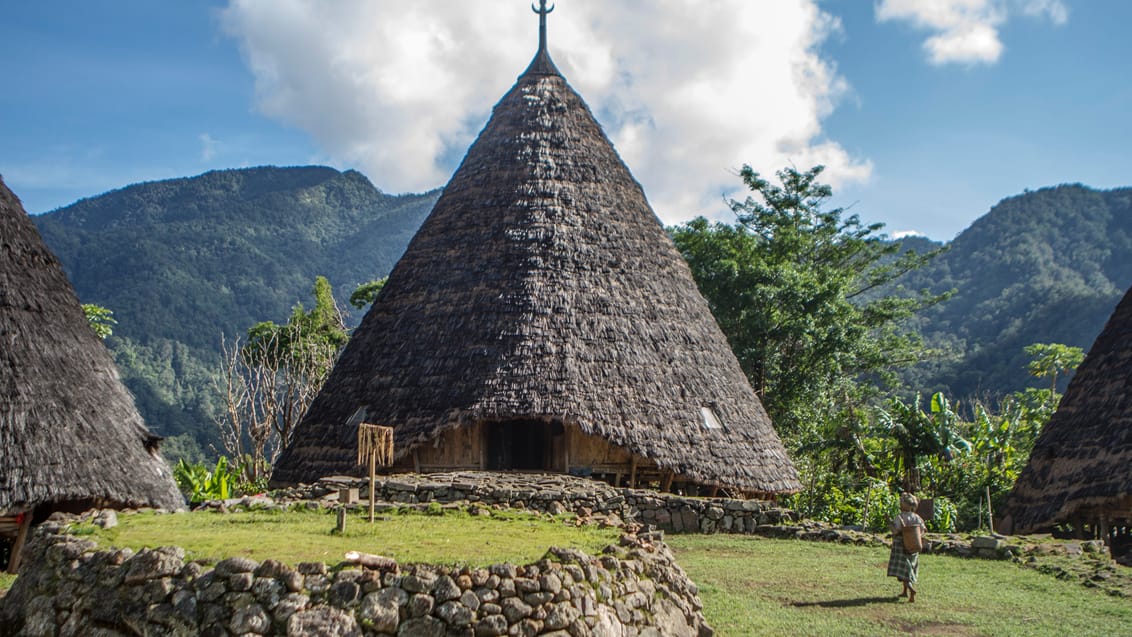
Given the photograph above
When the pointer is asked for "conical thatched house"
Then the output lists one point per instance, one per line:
(1080, 471)
(542, 319)
(70, 436)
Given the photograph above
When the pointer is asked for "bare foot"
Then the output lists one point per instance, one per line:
(912, 597)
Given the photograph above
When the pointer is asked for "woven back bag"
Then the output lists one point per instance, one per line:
(913, 539)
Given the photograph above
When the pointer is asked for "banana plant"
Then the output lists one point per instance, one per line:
(917, 434)
(198, 484)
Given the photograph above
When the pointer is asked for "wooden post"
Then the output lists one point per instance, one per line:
(342, 520)
(372, 481)
(18, 546)
(482, 437)
(990, 513)
(375, 444)
(666, 483)
(633, 473)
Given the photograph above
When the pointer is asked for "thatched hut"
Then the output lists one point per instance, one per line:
(542, 319)
(1079, 472)
(70, 435)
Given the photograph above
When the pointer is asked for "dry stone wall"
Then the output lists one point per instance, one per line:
(69, 588)
(559, 493)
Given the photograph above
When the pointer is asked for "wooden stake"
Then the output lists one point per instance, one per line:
(372, 480)
(990, 514)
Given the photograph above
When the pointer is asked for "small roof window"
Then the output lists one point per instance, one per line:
(711, 419)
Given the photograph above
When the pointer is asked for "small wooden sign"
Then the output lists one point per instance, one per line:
(375, 446)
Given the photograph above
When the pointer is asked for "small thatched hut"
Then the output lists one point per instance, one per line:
(70, 435)
(542, 319)
(1080, 471)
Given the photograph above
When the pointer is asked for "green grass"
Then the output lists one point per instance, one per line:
(756, 586)
(454, 537)
(6, 581)
(749, 585)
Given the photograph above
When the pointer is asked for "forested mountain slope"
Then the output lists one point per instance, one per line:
(1044, 266)
(183, 261)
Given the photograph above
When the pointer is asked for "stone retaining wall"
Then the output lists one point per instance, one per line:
(68, 588)
(632, 508)
(558, 493)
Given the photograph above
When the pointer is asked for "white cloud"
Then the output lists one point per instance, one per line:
(904, 234)
(966, 31)
(208, 147)
(689, 91)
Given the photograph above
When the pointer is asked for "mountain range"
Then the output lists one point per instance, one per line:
(186, 263)
(1045, 266)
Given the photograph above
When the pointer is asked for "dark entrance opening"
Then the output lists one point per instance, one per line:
(519, 444)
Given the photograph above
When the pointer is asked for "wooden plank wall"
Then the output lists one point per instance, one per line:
(465, 448)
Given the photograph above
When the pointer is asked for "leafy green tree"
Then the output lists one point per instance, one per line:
(365, 293)
(795, 287)
(1048, 360)
(101, 319)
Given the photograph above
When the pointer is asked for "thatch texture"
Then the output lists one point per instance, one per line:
(1081, 466)
(69, 432)
(542, 287)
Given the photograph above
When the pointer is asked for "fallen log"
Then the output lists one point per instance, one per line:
(376, 562)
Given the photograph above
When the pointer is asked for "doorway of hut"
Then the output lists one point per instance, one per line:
(521, 445)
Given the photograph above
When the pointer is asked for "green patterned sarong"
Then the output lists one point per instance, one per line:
(903, 566)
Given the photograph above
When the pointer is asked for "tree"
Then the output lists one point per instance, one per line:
(271, 379)
(1051, 359)
(101, 320)
(365, 293)
(796, 290)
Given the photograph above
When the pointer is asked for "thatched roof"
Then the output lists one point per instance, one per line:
(69, 431)
(543, 286)
(1081, 465)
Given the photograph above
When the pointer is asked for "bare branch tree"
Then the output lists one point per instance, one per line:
(270, 379)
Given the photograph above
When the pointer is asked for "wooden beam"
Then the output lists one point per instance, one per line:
(18, 546)
(482, 438)
(666, 483)
(416, 461)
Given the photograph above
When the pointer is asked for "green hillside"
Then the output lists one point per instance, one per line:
(184, 261)
(1043, 266)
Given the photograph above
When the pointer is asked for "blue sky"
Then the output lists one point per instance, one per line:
(926, 112)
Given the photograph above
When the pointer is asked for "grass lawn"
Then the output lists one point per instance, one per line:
(452, 537)
(757, 586)
(749, 585)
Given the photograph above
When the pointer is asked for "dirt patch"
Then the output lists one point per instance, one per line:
(941, 629)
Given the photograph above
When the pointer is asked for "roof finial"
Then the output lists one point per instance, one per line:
(542, 64)
(542, 11)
